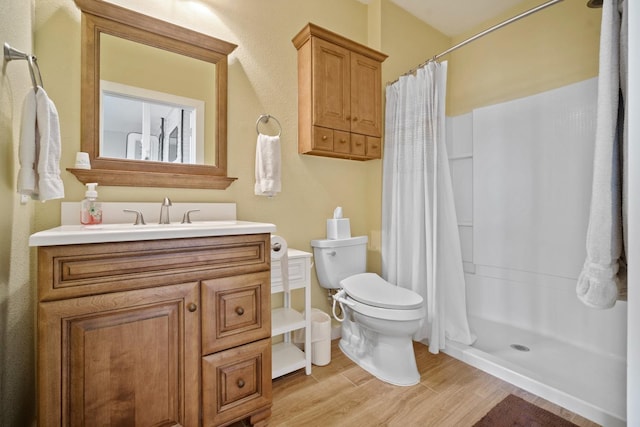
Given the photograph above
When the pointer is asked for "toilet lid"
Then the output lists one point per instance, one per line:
(371, 289)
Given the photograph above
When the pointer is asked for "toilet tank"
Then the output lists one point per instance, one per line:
(338, 259)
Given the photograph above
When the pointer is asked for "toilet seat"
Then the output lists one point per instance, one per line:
(373, 290)
(386, 313)
(372, 296)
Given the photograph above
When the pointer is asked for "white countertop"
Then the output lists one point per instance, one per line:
(82, 234)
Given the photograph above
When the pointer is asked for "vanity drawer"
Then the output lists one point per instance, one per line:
(80, 270)
(236, 382)
(235, 310)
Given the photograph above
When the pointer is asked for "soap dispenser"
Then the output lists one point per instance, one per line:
(91, 209)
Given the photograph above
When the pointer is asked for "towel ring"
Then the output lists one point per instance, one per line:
(265, 118)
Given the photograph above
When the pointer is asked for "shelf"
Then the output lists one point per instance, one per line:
(286, 358)
(275, 288)
(286, 320)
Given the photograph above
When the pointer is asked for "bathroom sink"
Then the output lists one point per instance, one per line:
(153, 226)
(227, 223)
(101, 233)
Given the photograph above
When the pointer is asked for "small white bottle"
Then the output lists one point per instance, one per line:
(91, 209)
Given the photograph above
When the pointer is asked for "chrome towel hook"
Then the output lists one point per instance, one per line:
(265, 119)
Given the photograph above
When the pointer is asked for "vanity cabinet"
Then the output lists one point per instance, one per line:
(160, 332)
(339, 96)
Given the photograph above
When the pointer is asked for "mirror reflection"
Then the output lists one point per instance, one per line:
(155, 105)
(147, 125)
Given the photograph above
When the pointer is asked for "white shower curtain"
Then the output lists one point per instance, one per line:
(420, 242)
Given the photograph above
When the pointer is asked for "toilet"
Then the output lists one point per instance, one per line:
(378, 319)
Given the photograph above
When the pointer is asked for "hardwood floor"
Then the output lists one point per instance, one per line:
(450, 393)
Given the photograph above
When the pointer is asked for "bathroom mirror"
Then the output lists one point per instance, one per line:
(152, 65)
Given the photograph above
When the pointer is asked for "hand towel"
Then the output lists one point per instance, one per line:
(268, 167)
(603, 275)
(40, 149)
(27, 176)
(50, 184)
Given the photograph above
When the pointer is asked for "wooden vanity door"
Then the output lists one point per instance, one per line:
(121, 359)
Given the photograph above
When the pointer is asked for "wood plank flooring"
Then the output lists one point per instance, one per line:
(450, 393)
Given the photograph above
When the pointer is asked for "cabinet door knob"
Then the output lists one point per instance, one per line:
(324, 137)
(240, 383)
(342, 141)
(192, 307)
(239, 311)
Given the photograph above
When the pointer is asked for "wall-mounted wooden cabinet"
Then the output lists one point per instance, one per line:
(339, 96)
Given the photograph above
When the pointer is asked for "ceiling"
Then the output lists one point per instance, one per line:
(453, 17)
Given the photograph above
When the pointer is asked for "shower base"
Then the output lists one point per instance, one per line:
(589, 384)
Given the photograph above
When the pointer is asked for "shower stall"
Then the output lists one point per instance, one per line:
(521, 173)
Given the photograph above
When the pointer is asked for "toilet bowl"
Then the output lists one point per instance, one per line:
(378, 319)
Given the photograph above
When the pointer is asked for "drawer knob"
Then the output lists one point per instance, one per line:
(239, 311)
(192, 307)
(342, 141)
(240, 383)
(324, 137)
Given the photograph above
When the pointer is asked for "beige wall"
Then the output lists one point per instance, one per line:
(549, 49)
(17, 379)
(555, 48)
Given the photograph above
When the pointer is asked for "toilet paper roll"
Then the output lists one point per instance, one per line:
(278, 247)
(279, 251)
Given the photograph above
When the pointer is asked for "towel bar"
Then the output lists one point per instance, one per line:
(11, 54)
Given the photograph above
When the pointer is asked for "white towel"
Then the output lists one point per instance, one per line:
(603, 276)
(40, 149)
(268, 168)
(27, 176)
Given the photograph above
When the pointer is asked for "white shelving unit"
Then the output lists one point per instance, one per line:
(286, 356)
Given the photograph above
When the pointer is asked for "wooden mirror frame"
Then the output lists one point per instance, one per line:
(99, 17)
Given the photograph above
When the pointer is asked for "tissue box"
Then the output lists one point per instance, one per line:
(338, 229)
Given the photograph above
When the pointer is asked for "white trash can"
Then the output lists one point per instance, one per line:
(320, 337)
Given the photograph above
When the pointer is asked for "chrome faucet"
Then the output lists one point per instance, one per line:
(186, 218)
(139, 217)
(164, 212)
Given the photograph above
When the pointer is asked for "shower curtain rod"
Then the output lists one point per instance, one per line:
(481, 34)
